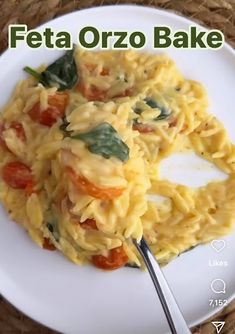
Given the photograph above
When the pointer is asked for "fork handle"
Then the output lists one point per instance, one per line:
(173, 314)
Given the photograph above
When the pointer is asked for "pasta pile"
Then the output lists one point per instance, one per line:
(80, 155)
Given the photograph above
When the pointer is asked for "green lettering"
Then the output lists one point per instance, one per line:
(16, 33)
(161, 37)
(215, 39)
(105, 37)
(95, 35)
(196, 38)
(119, 44)
(180, 40)
(63, 40)
(48, 36)
(141, 37)
(34, 39)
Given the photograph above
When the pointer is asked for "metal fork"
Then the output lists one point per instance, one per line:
(173, 314)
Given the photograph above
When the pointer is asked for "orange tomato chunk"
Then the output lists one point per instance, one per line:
(19, 130)
(89, 224)
(48, 245)
(89, 188)
(56, 109)
(116, 258)
(17, 175)
(126, 92)
(91, 93)
(104, 72)
(143, 128)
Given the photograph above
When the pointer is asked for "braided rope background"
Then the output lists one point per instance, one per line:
(219, 14)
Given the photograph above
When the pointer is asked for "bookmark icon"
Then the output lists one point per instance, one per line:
(218, 325)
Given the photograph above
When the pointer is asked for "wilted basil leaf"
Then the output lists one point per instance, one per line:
(153, 104)
(132, 265)
(105, 141)
(63, 126)
(52, 227)
(62, 73)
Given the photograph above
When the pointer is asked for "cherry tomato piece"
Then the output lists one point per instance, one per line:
(96, 94)
(143, 128)
(56, 109)
(104, 72)
(116, 258)
(17, 175)
(127, 92)
(89, 224)
(48, 245)
(91, 93)
(19, 130)
(29, 190)
(90, 67)
(89, 188)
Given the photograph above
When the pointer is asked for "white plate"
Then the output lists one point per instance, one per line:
(84, 300)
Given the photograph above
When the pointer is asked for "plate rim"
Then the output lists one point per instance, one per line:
(170, 14)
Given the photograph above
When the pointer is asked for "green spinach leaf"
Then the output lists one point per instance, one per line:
(63, 126)
(105, 141)
(132, 265)
(153, 104)
(52, 227)
(62, 73)
(138, 110)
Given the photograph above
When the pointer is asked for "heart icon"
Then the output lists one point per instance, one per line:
(218, 245)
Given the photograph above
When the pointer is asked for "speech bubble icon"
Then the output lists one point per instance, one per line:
(218, 245)
(218, 286)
